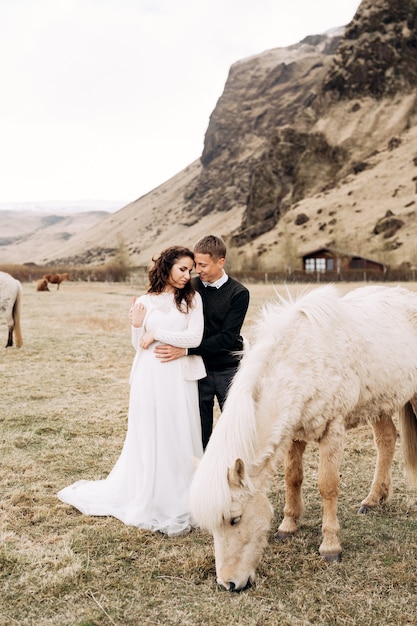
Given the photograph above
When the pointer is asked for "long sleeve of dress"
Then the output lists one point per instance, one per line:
(192, 335)
(137, 332)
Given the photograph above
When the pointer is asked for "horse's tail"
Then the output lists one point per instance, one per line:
(16, 317)
(408, 436)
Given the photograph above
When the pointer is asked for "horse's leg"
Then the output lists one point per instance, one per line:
(17, 331)
(10, 325)
(330, 457)
(10, 337)
(385, 436)
(294, 475)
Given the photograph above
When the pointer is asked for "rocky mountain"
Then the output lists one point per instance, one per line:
(308, 146)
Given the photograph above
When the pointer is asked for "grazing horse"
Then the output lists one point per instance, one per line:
(56, 279)
(10, 304)
(42, 285)
(319, 365)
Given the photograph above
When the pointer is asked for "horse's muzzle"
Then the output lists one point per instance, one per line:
(232, 586)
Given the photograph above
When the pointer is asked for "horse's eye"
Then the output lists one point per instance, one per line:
(235, 520)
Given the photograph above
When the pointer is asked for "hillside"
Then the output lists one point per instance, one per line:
(310, 145)
(28, 235)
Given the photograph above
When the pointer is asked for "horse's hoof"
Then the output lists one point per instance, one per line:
(282, 536)
(332, 558)
(363, 510)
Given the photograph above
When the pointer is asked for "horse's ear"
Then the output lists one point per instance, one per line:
(236, 474)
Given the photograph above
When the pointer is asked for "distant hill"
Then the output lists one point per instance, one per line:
(313, 145)
(32, 233)
(63, 207)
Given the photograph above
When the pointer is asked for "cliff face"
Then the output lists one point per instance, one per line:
(378, 54)
(265, 148)
(257, 132)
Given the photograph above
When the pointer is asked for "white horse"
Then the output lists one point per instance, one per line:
(10, 304)
(319, 365)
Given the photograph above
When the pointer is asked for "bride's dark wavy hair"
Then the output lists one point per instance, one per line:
(160, 271)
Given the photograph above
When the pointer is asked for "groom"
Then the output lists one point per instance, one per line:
(225, 303)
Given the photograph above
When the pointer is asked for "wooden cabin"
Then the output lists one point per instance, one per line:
(331, 260)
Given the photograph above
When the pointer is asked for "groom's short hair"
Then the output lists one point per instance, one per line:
(212, 245)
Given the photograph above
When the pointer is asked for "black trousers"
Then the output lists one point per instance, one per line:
(214, 385)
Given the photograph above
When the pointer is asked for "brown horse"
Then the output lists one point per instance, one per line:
(56, 279)
(42, 285)
(10, 303)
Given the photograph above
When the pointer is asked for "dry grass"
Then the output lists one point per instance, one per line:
(63, 417)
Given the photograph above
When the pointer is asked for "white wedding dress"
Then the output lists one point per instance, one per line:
(149, 485)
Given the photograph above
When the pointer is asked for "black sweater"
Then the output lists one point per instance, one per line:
(224, 311)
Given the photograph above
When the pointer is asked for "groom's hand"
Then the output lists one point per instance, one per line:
(166, 353)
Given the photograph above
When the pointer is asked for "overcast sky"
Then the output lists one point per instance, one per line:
(106, 99)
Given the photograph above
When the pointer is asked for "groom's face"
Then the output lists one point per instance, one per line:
(207, 267)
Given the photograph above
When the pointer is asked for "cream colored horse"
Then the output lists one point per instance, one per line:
(319, 366)
(10, 304)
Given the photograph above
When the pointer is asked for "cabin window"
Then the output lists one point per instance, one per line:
(321, 265)
(315, 265)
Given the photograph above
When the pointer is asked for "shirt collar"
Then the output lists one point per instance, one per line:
(217, 283)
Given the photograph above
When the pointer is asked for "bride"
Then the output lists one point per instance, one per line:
(149, 485)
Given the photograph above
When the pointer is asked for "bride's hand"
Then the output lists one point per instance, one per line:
(137, 313)
(146, 340)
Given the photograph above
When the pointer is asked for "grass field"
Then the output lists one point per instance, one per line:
(63, 414)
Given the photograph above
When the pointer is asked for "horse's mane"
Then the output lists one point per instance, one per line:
(235, 435)
(318, 305)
